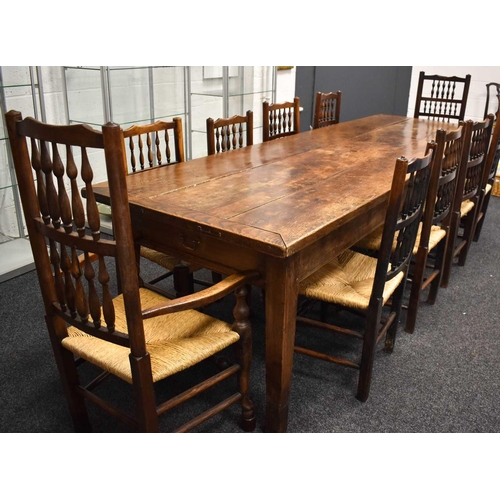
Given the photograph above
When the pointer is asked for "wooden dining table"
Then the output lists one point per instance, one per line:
(284, 207)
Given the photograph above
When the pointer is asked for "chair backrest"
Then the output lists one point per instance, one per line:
(493, 157)
(225, 134)
(156, 144)
(492, 88)
(476, 144)
(280, 120)
(442, 97)
(61, 229)
(404, 212)
(448, 147)
(327, 109)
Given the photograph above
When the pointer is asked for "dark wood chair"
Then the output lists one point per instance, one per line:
(327, 109)
(429, 252)
(225, 134)
(468, 191)
(426, 267)
(154, 145)
(442, 97)
(489, 174)
(493, 92)
(280, 120)
(364, 284)
(140, 336)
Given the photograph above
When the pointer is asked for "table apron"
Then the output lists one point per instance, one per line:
(226, 257)
(195, 247)
(318, 253)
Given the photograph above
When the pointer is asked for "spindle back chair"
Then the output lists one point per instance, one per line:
(139, 336)
(435, 227)
(225, 134)
(160, 144)
(489, 175)
(434, 234)
(154, 145)
(280, 120)
(442, 97)
(327, 109)
(364, 284)
(492, 90)
(468, 191)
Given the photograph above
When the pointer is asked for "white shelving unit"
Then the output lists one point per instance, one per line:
(126, 95)
(20, 89)
(224, 91)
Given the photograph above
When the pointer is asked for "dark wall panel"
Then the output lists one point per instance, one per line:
(366, 90)
(304, 88)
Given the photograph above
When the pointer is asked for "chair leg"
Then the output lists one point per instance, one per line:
(366, 365)
(468, 233)
(183, 280)
(484, 207)
(244, 355)
(450, 249)
(397, 302)
(145, 401)
(416, 289)
(69, 377)
(438, 266)
(249, 298)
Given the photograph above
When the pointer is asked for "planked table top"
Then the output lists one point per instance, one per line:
(264, 195)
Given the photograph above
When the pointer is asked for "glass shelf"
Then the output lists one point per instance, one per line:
(117, 68)
(97, 123)
(239, 94)
(8, 186)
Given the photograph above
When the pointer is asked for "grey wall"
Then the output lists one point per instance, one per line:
(366, 90)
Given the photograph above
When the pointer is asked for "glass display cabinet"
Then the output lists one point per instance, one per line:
(224, 91)
(126, 95)
(20, 89)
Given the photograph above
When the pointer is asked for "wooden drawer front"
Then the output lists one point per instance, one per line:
(203, 247)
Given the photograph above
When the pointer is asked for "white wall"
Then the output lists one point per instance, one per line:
(285, 85)
(480, 76)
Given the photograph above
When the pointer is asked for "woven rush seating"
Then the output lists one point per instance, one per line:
(172, 264)
(372, 242)
(175, 342)
(347, 281)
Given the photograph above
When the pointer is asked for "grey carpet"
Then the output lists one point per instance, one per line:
(443, 378)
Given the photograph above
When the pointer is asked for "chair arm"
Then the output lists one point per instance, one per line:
(203, 297)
